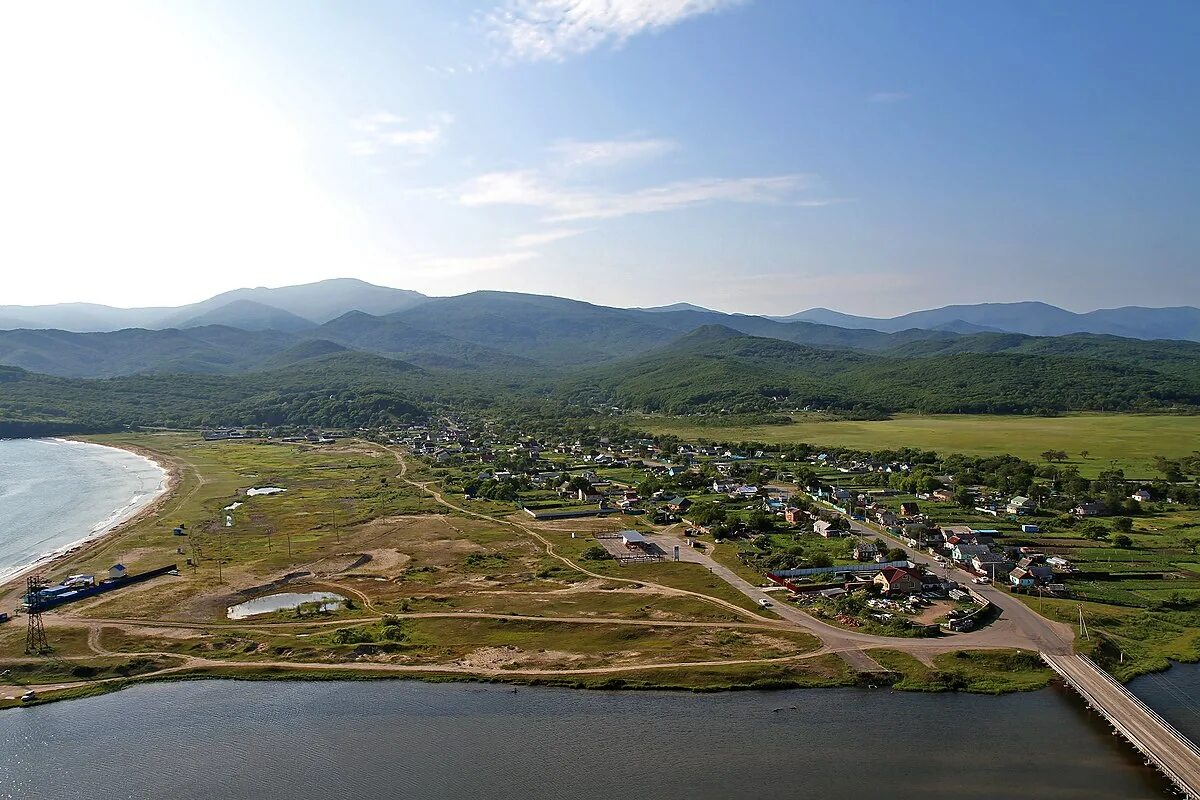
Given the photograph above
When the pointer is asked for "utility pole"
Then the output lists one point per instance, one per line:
(1083, 631)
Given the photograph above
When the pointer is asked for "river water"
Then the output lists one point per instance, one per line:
(404, 739)
(55, 493)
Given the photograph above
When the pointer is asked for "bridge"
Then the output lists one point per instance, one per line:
(1155, 738)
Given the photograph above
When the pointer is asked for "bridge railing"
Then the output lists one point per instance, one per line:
(1189, 790)
(1116, 684)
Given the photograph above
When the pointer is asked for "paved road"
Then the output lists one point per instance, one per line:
(839, 639)
(1016, 621)
(1144, 729)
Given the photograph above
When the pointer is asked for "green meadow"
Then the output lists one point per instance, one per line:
(1126, 441)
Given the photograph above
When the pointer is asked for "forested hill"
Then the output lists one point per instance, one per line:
(717, 368)
(495, 347)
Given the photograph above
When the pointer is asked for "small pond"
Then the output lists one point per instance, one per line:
(283, 601)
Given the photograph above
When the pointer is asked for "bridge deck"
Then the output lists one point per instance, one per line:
(1153, 736)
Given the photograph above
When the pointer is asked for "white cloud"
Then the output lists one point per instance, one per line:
(888, 97)
(528, 188)
(551, 30)
(529, 240)
(382, 130)
(607, 152)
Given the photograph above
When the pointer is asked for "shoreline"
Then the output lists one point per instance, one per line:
(119, 521)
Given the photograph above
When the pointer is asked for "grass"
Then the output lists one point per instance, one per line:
(1127, 441)
(980, 671)
(1129, 641)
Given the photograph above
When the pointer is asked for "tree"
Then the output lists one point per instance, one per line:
(963, 497)
(1084, 453)
(1123, 524)
(595, 553)
(1122, 541)
(761, 521)
(821, 560)
(896, 554)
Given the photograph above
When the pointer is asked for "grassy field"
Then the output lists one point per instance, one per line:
(1128, 441)
(349, 523)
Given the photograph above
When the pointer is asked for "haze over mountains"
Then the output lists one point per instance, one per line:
(299, 308)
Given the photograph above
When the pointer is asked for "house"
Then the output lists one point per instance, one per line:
(943, 495)
(909, 509)
(116, 572)
(679, 504)
(866, 551)
(1089, 509)
(964, 553)
(1021, 505)
(794, 516)
(1026, 576)
(590, 495)
(825, 528)
(886, 518)
(899, 580)
(1141, 495)
(991, 564)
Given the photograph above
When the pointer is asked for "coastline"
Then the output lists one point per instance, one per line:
(118, 521)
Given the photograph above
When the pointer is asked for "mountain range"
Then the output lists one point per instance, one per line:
(305, 353)
(1032, 318)
(285, 308)
(298, 308)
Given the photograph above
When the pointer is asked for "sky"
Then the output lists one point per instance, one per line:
(759, 156)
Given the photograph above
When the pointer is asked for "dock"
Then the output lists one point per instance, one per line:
(1177, 757)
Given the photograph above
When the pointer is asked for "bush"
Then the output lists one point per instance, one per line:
(595, 553)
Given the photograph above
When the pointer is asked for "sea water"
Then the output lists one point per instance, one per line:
(55, 494)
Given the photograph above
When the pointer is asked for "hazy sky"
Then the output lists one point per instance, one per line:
(757, 155)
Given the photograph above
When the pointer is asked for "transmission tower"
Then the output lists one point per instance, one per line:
(35, 636)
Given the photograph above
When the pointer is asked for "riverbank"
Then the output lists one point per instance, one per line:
(119, 519)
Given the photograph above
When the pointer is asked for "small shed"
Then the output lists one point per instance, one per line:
(116, 571)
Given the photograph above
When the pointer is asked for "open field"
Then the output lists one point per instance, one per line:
(433, 590)
(1127, 441)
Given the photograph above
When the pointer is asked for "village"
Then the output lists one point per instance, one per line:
(827, 529)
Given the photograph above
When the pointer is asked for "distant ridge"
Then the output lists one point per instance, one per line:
(312, 303)
(1031, 318)
(677, 307)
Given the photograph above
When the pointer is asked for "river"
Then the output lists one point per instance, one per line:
(405, 739)
(55, 493)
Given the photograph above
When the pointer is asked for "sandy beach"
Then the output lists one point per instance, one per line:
(118, 521)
